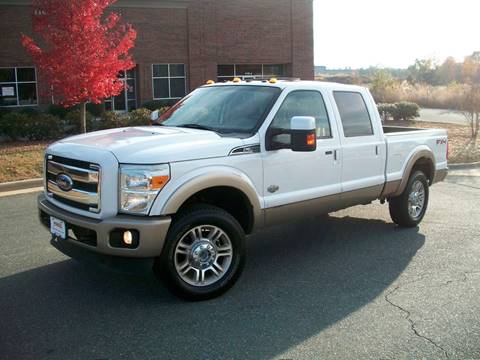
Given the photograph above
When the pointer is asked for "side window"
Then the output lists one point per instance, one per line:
(353, 113)
(304, 103)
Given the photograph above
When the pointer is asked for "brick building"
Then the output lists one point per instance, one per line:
(180, 45)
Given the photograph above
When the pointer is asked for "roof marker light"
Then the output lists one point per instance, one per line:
(210, 82)
(273, 81)
(236, 80)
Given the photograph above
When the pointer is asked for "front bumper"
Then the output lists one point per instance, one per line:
(152, 231)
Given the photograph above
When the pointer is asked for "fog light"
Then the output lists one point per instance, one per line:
(128, 237)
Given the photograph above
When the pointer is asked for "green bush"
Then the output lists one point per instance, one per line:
(14, 125)
(158, 104)
(19, 125)
(57, 110)
(386, 111)
(71, 122)
(399, 111)
(95, 109)
(44, 127)
(140, 117)
(405, 111)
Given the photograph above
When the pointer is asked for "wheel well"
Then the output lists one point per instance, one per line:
(230, 199)
(426, 166)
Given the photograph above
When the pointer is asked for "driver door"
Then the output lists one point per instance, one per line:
(296, 182)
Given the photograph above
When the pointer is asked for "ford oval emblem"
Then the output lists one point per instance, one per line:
(64, 182)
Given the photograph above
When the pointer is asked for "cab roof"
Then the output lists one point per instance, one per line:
(284, 84)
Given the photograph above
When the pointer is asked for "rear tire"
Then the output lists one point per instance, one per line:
(203, 255)
(408, 209)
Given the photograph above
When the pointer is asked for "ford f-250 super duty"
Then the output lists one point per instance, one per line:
(225, 161)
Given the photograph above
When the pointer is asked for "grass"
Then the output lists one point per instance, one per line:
(20, 161)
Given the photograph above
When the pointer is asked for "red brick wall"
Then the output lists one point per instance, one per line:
(201, 35)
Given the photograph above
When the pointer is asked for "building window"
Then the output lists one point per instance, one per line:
(169, 81)
(18, 86)
(249, 71)
(127, 99)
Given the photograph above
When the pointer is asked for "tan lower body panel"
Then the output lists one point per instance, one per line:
(322, 205)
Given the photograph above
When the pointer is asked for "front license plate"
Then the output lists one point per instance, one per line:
(58, 228)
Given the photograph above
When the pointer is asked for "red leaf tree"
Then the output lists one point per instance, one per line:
(81, 50)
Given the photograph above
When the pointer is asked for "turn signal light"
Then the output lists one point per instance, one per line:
(311, 139)
(158, 182)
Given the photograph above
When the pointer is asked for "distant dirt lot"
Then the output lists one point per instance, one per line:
(462, 149)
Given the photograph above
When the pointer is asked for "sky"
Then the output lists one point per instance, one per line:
(393, 33)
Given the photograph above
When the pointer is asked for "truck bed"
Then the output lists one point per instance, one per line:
(402, 142)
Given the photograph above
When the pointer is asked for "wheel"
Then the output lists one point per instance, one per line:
(204, 253)
(408, 209)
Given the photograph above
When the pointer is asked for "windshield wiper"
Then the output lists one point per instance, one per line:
(198, 126)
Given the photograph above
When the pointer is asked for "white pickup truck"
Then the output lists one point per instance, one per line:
(225, 161)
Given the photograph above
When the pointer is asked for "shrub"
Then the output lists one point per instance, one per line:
(71, 122)
(96, 109)
(14, 125)
(386, 111)
(158, 104)
(405, 111)
(44, 127)
(58, 110)
(139, 117)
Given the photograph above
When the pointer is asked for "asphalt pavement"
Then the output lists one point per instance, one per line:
(350, 285)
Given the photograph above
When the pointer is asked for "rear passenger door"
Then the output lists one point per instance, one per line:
(363, 145)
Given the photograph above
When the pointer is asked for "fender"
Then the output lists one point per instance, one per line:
(418, 153)
(204, 178)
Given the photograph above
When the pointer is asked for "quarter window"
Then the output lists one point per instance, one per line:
(18, 86)
(353, 113)
(304, 103)
(169, 81)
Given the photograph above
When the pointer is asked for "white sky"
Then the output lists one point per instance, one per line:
(393, 33)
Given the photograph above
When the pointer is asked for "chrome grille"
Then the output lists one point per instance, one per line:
(85, 182)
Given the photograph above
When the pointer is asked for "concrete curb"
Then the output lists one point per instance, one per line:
(475, 165)
(21, 185)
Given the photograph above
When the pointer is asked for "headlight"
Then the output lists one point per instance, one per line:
(140, 185)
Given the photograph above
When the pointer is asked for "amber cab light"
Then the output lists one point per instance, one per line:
(311, 139)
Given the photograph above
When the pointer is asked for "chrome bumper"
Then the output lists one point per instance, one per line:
(152, 230)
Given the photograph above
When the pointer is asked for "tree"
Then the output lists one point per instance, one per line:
(470, 99)
(82, 50)
(423, 71)
(382, 83)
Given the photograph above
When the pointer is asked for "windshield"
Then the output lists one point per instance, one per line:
(224, 109)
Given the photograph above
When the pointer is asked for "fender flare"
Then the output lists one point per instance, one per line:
(205, 178)
(423, 152)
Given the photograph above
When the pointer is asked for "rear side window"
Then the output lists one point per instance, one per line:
(353, 113)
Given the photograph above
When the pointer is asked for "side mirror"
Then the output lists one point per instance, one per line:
(155, 115)
(303, 135)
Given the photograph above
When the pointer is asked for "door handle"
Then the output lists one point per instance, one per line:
(330, 152)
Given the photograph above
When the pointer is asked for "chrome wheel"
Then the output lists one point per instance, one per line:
(203, 255)
(416, 200)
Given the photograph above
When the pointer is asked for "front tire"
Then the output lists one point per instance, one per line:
(408, 209)
(204, 253)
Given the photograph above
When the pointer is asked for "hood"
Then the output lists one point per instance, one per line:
(156, 144)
